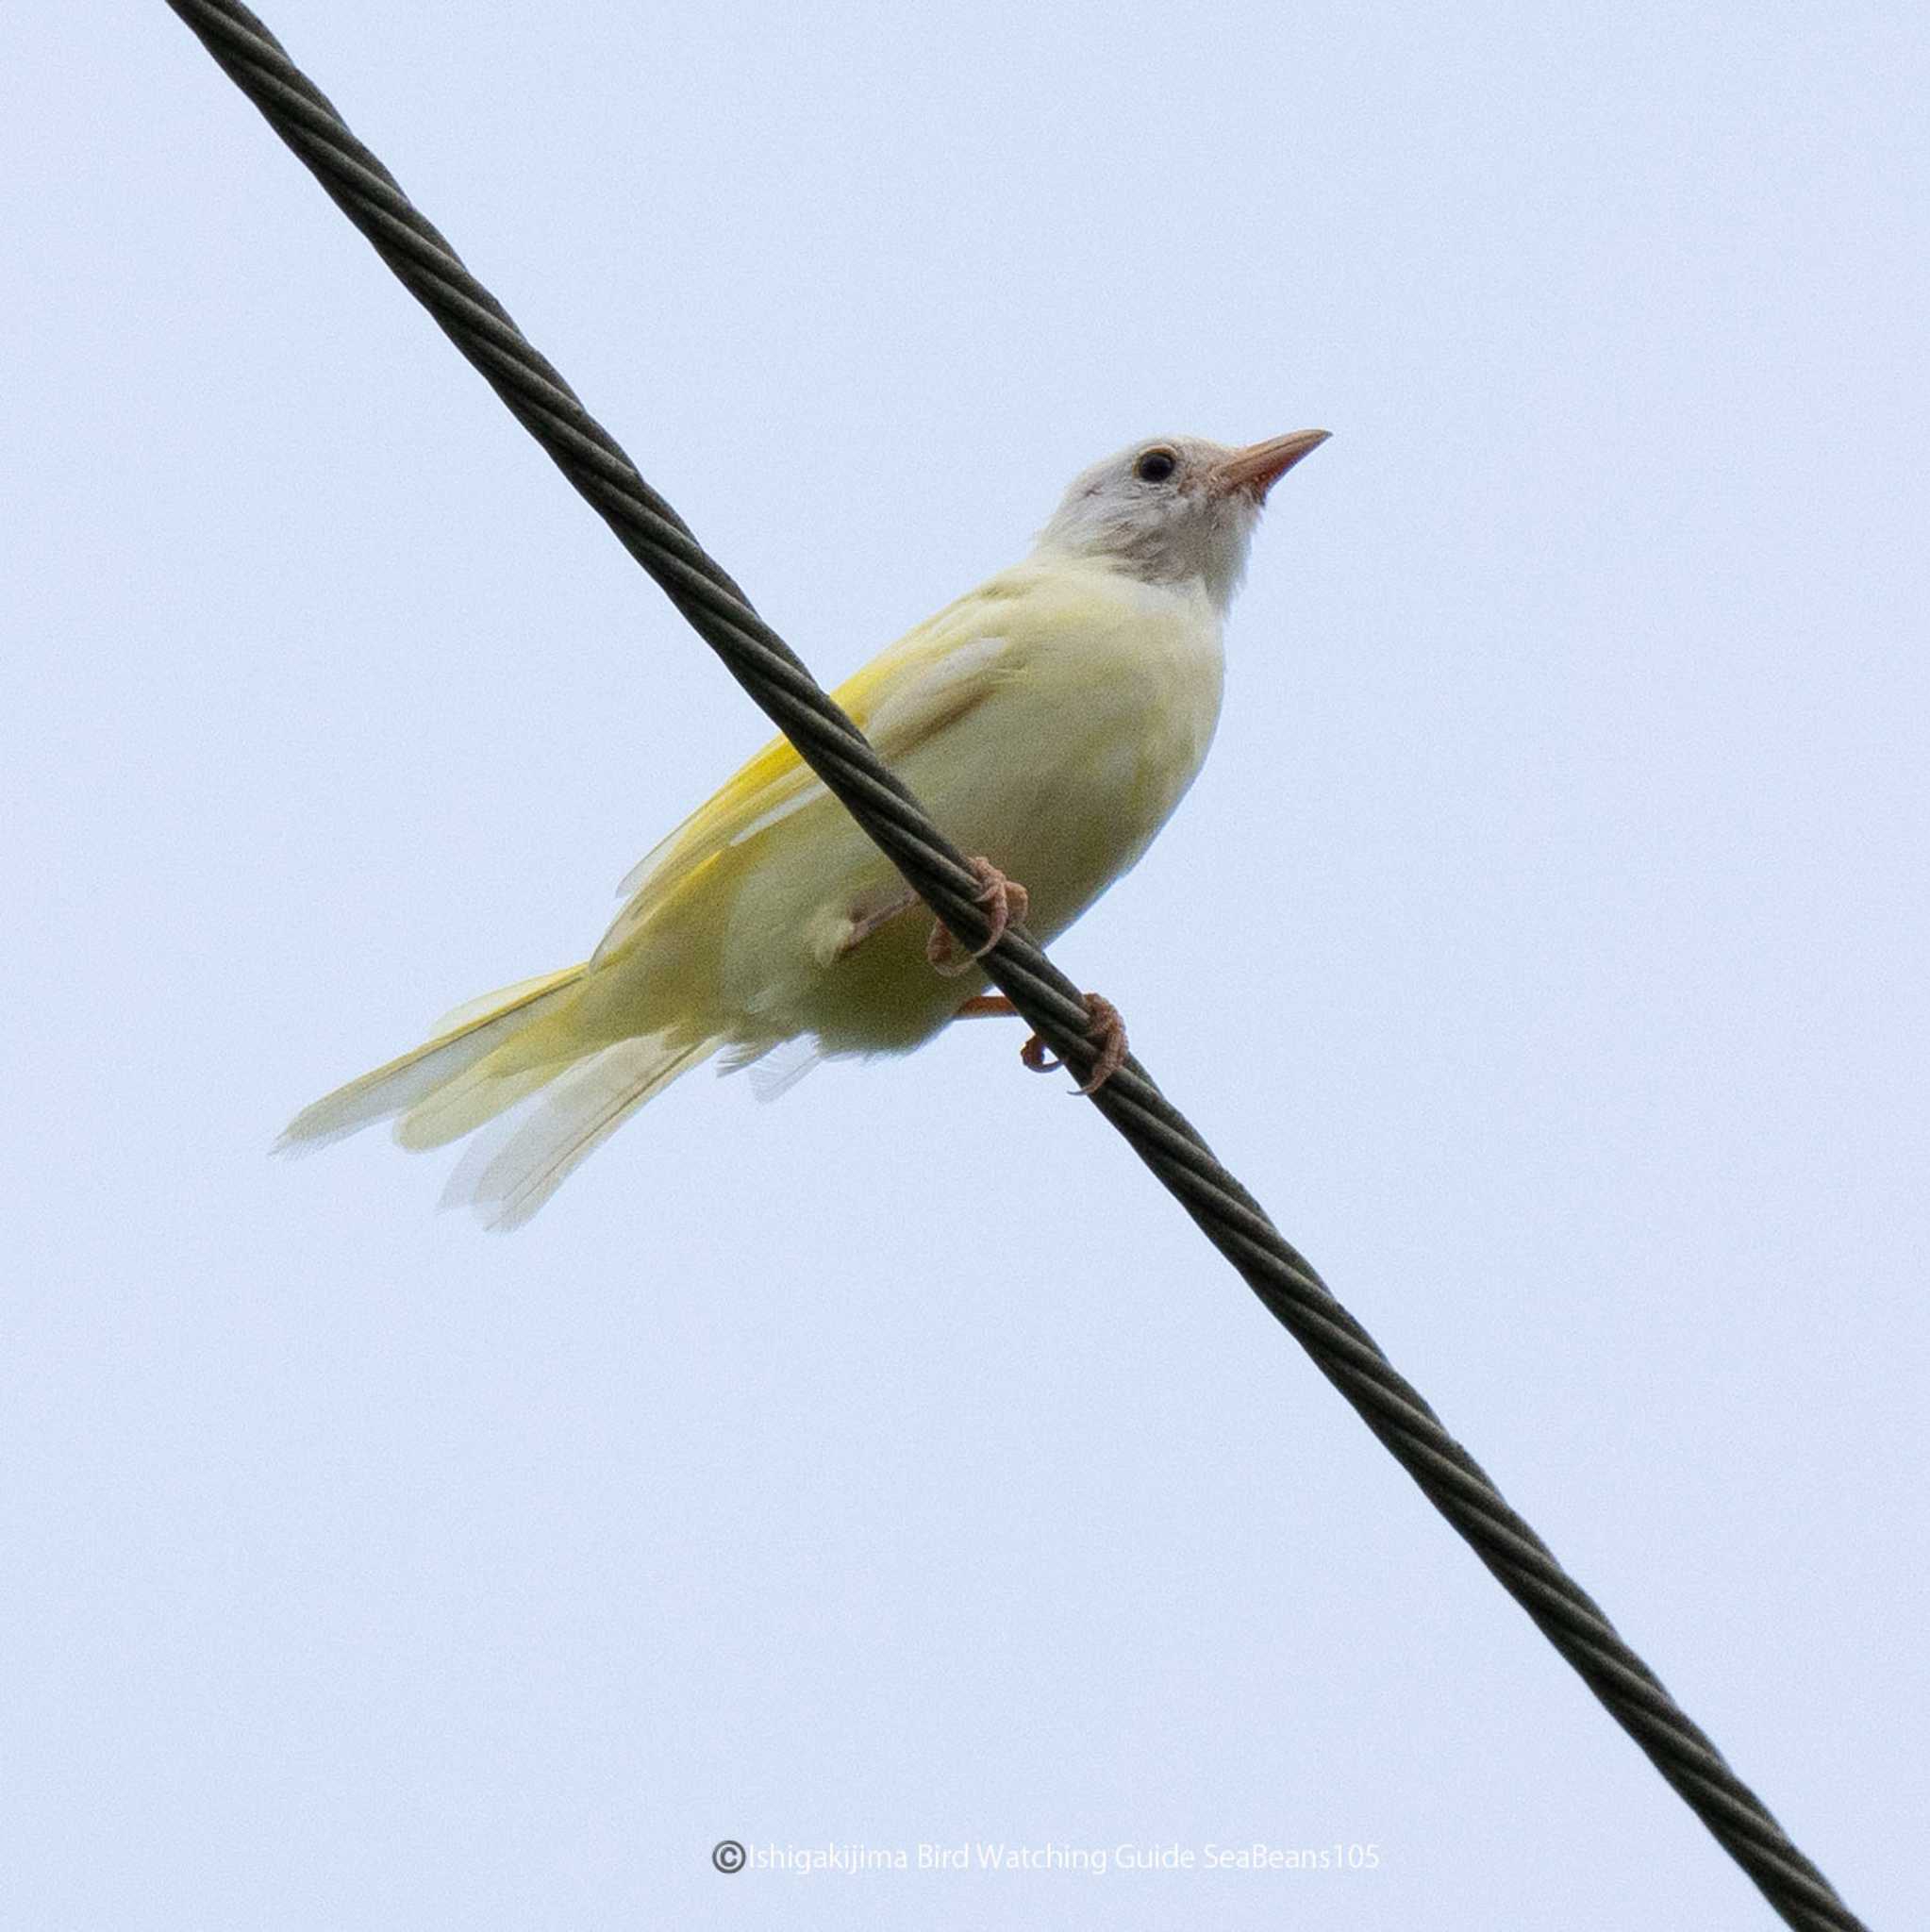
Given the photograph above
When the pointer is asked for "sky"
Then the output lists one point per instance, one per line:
(895, 1466)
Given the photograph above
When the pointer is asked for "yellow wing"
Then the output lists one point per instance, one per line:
(928, 679)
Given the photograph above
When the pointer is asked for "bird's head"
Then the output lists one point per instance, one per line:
(1175, 509)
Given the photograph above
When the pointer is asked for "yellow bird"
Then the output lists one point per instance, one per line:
(1049, 720)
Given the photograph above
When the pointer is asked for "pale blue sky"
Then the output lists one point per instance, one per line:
(1544, 943)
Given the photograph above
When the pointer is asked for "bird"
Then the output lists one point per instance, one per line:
(1050, 720)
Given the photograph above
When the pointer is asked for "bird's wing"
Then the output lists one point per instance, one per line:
(907, 694)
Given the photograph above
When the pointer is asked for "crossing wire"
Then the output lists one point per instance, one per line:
(1230, 1218)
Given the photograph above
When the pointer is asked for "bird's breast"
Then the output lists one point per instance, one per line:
(1095, 719)
(1097, 730)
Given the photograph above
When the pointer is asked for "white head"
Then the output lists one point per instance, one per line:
(1175, 509)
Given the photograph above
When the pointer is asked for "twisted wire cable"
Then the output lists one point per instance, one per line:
(838, 752)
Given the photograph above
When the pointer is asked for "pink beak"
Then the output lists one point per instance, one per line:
(1261, 465)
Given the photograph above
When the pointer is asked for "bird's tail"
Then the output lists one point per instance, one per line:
(486, 1057)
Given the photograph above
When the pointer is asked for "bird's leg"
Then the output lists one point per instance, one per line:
(1106, 1032)
(1007, 903)
(1108, 1035)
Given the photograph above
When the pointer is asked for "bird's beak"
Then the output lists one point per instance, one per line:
(1261, 465)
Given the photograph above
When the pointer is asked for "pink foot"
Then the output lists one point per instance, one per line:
(1106, 1032)
(1006, 902)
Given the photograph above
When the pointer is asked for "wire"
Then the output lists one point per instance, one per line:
(1230, 1218)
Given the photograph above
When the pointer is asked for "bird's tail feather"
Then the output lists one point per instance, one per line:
(470, 1035)
(508, 1174)
(489, 1055)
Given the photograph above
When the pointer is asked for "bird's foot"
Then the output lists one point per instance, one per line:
(1005, 902)
(1108, 1035)
(1106, 1032)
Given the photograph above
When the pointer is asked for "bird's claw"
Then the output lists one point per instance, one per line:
(1005, 902)
(1107, 1034)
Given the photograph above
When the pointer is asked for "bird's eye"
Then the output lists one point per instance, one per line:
(1155, 465)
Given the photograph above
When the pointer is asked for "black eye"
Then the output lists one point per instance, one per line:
(1155, 465)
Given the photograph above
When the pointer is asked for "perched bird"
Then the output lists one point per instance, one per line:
(1049, 720)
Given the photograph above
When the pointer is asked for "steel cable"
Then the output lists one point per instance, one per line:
(1230, 1218)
